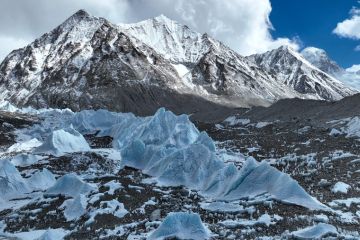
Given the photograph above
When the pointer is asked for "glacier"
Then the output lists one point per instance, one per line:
(181, 225)
(171, 149)
(167, 147)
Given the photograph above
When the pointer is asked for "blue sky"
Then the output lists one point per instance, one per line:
(313, 22)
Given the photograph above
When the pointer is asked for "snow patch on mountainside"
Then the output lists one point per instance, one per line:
(174, 41)
(292, 69)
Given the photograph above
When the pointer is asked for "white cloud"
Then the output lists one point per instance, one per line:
(357, 48)
(244, 25)
(351, 76)
(354, 68)
(349, 28)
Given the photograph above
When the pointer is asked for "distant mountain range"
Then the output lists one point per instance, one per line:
(88, 62)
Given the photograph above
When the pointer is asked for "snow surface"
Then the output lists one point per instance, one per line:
(50, 234)
(340, 187)
(264, 219)
(315, 232)
(232, 121)
(113, 186)
(181, 225)
(223, 207)
(113, 207)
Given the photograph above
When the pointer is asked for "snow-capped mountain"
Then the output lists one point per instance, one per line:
(292, 69)
(319, 58)
(207, 66)
(88, 62)
(173, 40)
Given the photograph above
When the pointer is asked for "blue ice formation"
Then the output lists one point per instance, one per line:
(182, 226)
(173, 150)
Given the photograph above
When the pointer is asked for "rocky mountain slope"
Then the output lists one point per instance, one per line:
(292, 69)
(88, 62)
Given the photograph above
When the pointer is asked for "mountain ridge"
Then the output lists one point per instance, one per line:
(97, 64)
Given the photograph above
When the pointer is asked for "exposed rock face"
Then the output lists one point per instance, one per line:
(88, 62)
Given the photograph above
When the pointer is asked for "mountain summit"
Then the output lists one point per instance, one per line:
(88, 62)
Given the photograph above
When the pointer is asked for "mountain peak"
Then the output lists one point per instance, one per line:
(174, 40)
(163, 18)
(286, 48)
(80, 14)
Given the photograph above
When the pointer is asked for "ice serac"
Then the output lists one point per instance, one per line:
(69, 185)
(12, 184)
(42, 180)
(63, 141)
(292, 69)
(170, 148)
(181, 226)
